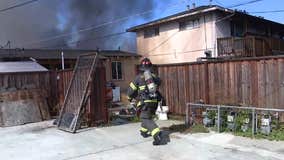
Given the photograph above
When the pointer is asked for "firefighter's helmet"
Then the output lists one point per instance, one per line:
(145, 64)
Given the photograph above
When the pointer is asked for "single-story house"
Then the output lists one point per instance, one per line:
(120, 66)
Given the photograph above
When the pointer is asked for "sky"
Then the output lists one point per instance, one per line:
(264, 5)
(42, 24)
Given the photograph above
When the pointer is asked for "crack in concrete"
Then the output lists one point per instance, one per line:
(106, 150)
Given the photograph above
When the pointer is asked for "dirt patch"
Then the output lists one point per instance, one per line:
(176, 117)
(40, 129)
(37, 129)
(182, 128)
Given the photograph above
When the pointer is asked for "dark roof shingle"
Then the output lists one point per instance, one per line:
(56, 53)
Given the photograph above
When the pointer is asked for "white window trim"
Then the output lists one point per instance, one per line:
(116, 69)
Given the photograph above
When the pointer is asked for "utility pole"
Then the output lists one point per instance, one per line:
(62, 60)
(9, 44)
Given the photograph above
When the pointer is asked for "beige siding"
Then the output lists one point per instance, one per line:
(174, 46)
(128, 72)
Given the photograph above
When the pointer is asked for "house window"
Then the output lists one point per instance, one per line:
(237, 29)
(152, 32)
(116, 70)
(185, 25)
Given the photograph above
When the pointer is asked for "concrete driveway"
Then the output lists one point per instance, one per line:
(42, 141)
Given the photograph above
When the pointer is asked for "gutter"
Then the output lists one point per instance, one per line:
(134, 29)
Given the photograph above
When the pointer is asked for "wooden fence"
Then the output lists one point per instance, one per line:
(24, 80)
(44, 81)
(96, 110)
(252, 81)
(54, 85)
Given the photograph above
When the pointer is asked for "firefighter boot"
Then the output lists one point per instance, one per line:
(157, 139)
(145, 134)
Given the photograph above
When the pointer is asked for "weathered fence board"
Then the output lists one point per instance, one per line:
(96, 112)
(248, 81)
(54, 85)
(24, 97)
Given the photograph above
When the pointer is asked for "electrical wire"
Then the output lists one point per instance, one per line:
(180, 52)
(86, 40)
(116, 21)
(219, 3)
(18, 5)
(272, 11)
(111, 22)
(121, 33)
(162, 43)
(244, 3)
(92, 28)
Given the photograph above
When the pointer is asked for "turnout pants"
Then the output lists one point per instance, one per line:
(148, 125)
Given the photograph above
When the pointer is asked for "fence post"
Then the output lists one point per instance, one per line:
(206, 83)
(186, 115)
(256, 123)
(254, 45)
(253, 122)
(218, 119)
(233, 45)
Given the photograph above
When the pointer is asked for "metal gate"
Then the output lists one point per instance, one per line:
(78, 93)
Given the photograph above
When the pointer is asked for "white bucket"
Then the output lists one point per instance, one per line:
(162, 112)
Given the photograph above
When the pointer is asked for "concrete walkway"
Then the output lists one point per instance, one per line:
(42, 141)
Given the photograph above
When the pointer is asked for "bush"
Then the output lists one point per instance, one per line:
(242, 125)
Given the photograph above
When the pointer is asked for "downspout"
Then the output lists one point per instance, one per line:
(205, 32)
(214, 35)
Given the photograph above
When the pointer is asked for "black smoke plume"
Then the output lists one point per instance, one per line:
(27, 26)
(73, 16)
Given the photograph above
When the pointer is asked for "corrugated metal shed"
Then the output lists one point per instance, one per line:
(12, 67)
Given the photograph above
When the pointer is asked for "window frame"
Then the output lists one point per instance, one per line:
(237, 29)
(116, 70)
(152, 32)
(189, 24)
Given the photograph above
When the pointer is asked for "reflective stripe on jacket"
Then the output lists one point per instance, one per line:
(138, 87)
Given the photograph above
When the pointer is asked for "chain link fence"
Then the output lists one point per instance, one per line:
(241, 119)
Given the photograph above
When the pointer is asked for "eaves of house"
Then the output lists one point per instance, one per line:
(198, 11)
(56, 53)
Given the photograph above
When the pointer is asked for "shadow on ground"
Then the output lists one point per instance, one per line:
(182, 128)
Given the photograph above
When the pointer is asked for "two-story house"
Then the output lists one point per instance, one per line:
(211, 31)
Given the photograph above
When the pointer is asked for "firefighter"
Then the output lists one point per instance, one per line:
(144, 89)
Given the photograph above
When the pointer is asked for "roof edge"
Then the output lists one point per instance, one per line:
(179, 16)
